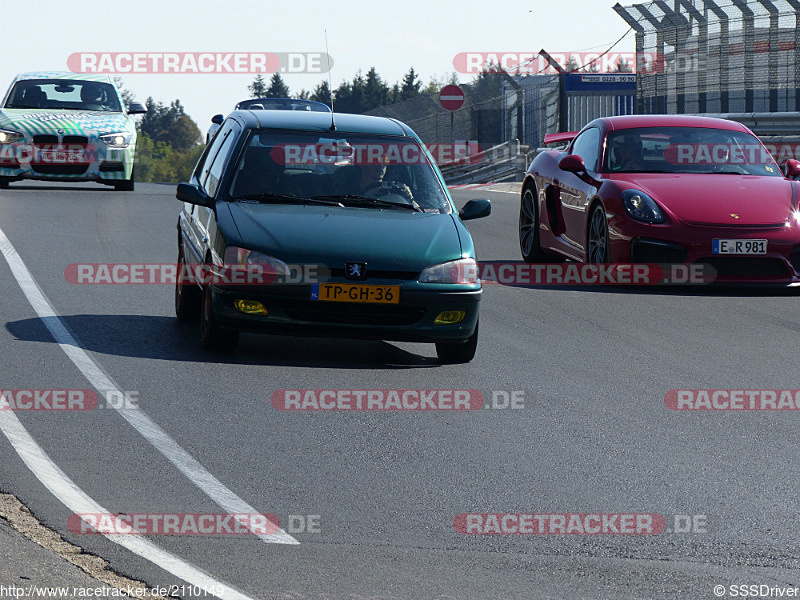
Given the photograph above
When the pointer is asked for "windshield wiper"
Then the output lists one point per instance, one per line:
(278, 198)
(720, 173)
(640, 171)
(366, 201)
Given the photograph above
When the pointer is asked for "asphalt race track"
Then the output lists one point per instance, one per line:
(382, 488)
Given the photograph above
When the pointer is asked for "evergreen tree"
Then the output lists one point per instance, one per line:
(572, 64)
(410, 86)
(394, 94)
(376, 92)
(322, 93)
(350, 96)
(277, 87)
(437, 83)
(258, 88)
(623, 67)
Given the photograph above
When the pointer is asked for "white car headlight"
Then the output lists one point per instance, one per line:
(117, 140)
(463, 271)
(9, 137)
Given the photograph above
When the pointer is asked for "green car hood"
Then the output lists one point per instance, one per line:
(384, 239)
(73, 122)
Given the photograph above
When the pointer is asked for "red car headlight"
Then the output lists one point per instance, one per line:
(642, 207)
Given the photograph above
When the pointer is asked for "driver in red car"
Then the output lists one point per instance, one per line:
(626, 154)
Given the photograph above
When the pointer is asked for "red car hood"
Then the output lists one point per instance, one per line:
(712, 199)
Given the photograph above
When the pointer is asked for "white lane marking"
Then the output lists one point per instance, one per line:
(65, 489)
(159, 438)
(75, 499)
(482, 186)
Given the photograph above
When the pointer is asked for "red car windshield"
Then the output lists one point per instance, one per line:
(687, 150)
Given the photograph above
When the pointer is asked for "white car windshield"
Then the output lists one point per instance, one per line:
(64, 94)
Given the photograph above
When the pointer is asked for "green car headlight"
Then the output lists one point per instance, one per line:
(242, 256)
(117, 140)
(463, 271)
(9, 137)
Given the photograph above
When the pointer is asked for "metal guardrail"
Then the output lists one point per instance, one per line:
(504, 162)
(780, 131)
(778, 124)
(509, 161)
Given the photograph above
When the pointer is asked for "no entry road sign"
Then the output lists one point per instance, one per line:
(451, 97)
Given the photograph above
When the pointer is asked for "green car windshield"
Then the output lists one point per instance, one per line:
(348, 169)
(687, 150)
(64, 94)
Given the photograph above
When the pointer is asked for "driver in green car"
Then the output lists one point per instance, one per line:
(373, 178)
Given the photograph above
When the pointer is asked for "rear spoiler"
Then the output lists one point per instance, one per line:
(559, 138)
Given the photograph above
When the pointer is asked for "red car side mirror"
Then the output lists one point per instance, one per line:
(792, 168)
(573, 163)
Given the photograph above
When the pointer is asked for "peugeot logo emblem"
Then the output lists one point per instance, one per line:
(355, 270)
(734, 215)
(61, 132)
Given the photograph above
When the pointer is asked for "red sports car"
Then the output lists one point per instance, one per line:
(664, 189)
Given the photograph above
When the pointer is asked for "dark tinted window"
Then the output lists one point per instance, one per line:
(281, 104)
(211, 183)
(206, 160)
(587, 146)
(348, 167)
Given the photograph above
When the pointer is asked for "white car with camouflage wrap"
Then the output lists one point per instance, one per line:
(67, 127)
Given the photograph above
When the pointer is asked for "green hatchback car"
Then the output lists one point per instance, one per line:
(304, 223)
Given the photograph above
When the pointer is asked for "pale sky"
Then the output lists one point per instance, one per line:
(391, 36)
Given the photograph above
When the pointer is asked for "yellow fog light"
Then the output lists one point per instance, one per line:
(450, 317)
(250, 307)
